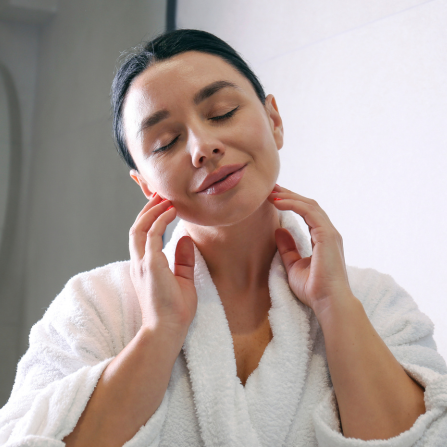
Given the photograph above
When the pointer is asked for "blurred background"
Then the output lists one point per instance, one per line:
(361, 87)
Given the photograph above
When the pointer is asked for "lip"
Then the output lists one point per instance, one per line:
(219, 174)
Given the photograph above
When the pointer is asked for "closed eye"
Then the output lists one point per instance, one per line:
(162, 149)
(214, 118)
(224, 117)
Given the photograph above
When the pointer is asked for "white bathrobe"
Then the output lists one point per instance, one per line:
(287, 401)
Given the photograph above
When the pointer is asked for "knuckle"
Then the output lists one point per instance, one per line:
(151, 232)
(140, 270)
(312, 208)
(132, 231)
(145, 268)
(335, 234)
(135, 271)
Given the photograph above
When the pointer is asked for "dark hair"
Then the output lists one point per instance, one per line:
(163, 47)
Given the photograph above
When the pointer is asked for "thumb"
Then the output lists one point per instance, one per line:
(287, 248)
(184, 258)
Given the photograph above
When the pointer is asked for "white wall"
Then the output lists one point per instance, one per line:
(362, 90)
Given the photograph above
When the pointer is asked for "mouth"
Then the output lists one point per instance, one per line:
(220, 175)
(222, 179)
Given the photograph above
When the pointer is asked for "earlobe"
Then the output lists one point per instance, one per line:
(275, 120)
(135, 175)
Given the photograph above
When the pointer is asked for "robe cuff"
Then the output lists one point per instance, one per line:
(36, 441)
(55, 410)
(432, 425)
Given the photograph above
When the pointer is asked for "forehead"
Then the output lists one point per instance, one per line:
(181, 76)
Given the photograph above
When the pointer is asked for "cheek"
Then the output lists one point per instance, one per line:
(167, 178)
(256, 134)
(259, 138)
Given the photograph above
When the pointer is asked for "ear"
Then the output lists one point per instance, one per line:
(137, 177)
(275, 120)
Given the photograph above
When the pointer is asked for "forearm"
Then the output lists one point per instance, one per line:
(129, 391)
(375, 396)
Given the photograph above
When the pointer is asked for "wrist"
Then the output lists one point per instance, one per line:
(167, 337)
(332, 308)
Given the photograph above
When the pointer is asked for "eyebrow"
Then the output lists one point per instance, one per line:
(200, 96)
(212, 88)
(154, 119)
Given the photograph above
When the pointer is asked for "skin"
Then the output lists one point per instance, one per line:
(237, 233)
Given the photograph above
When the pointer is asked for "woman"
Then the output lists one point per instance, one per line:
(238, 333)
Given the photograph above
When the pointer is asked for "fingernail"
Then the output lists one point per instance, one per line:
(169, 208)
(277, 198)
(273, 192)
(154, 194)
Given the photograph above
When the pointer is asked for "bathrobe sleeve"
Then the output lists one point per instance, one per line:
(409, 335)
(84, 328)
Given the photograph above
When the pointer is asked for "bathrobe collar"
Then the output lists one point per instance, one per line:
(260, 413)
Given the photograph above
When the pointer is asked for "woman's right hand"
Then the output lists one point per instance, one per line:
(167, 299)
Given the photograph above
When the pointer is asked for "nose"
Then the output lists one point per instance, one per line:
(205, 147)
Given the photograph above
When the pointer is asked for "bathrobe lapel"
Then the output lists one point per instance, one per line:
(274, 389)
(261, 413)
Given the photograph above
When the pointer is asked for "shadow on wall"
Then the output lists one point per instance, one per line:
(10, 181)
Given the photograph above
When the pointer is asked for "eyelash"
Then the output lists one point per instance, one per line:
(214, 118)
(226, 116)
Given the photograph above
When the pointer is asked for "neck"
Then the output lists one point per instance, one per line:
(239, 256)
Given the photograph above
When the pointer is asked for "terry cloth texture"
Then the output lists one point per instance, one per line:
(287, 401)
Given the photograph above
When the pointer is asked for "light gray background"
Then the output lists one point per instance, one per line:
(77, 201)
(5, 149)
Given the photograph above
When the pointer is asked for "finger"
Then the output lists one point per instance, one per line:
(154, 200)
(154, 239)
(286, 194)
(148, 218)
(287, 248)
(139, 230)
(280, 192)
(134, 232)
(311, 214)
(184, 258)
(311, 238)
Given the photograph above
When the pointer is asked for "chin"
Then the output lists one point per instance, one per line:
(226, 215)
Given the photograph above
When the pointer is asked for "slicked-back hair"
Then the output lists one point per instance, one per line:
(163, 47)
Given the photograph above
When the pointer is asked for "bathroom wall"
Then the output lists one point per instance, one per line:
(78, 199)
(362, 92)
(83, 200)
(18, 60)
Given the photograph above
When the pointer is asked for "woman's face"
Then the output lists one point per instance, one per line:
(187, 117)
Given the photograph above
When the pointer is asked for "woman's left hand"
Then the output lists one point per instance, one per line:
(369, 383)
(321, 278)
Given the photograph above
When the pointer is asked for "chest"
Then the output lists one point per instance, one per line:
(249, 348)
(249, 325)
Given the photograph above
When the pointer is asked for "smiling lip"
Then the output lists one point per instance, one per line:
(218, 175)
